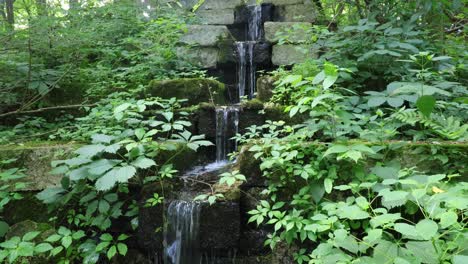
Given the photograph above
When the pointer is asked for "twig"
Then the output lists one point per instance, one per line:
(20, 112)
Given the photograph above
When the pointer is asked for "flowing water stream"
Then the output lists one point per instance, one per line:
(181, 233)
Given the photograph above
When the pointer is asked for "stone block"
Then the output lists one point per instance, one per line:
(220, 4)
(296, 13)
(291, 54)
(219, 226)
(216, 17)
(276, 2)
(292, 32)
(265, 86)
(36, 159)
(203, 57)
(195, 90)
(206, 35)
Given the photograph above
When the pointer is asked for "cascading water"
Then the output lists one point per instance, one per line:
(245, 51)
(181, 233)
(227, 121)
(255, 23)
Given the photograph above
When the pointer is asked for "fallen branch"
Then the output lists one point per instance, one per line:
(19, 112)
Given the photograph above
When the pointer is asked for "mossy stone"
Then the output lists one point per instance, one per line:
(194, 90)
(28, 208)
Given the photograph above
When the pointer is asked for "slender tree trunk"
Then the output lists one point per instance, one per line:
(10, 14)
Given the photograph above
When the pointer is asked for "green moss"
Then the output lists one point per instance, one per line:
(194, 90)
(253, 104)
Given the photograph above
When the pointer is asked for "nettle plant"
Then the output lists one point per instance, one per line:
(341, 212)
(100, 179)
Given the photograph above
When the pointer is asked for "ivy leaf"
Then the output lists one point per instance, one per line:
(426, 104)
(143, 163)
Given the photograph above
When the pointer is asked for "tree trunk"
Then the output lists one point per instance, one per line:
(10, 14)
(2, 10)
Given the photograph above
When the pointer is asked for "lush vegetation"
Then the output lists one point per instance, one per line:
(343, 186)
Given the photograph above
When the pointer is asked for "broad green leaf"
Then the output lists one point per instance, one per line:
(447, 219)
(143, 163)
(111, 252)
(101, 166)
(101, 138)
(460, 259)
(122, 248)
(427, 229)
(90, 150)
(43, 247)
(376, 101)
(335, 149)
(66, 241)
(30, 236)
(426, 104)
(352, 212)
(329, 81)
(362, 202)
(423, 250)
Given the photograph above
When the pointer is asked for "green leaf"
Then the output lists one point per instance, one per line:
(122, 248)
(66, 241)
(103, 207)
(362, 202)
(424, 250)
(352, 212)
(335, 149)
(143, 163)
(426, 104)
(448, 219)
(101, 138)
(101, 166)
(376, 101)
(106, 237)
(90, 150)
(43, 247)
(407, 230)
(111, 252)
(53, 238)
(395, 101)
(56, 251)
(329, 81)
(427, 229)
(140, 133)
(30, 236)
(120, 174)
(460, 259)
(328, 184)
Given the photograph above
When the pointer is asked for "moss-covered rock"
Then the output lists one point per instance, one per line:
(28, 208)
(21, 228)
(265, 86)
(194, 90)
(36, 158)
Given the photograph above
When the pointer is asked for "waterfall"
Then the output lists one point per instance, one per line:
(227, 126)
(246, 56)
(255, 23)
(241, 67)
(181, 233)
